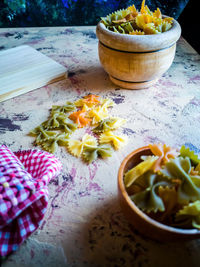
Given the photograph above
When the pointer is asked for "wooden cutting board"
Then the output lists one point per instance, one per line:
(23, 69)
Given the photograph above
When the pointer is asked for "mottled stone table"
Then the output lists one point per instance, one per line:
(84, 225)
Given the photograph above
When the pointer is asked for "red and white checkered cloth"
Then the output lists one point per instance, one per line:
(24, 176)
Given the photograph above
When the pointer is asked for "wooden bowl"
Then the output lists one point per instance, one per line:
(140, 221)
(136, 61)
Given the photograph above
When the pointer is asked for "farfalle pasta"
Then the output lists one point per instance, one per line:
(107, 102)
(109, 124)
(134, 22)
(59, 121)
(91, 153)
(166, 186)
(116, 141)
(42, 134)
(79, 117)
(88, 101)
(68, 107)
(190, 215)
(164, 154)
(76, 147)
(148, 200)
(98, 113)
(89, 111)
(51, 144)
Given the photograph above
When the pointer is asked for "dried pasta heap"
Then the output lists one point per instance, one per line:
(91, 110)
(166, 186)
(134, 22)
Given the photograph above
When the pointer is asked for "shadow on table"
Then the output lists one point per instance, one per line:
(90, 78)
(108, 240)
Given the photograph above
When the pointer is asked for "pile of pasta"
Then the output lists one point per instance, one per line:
(166, 186)
(91, 111)
(134, 22)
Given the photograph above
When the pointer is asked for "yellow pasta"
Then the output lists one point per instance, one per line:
(136, 32)
(133, 10)
(157, 14)
(107, 102)
(97, 114)
(88, 101)
(133, 174)
(169, 198)
(75, 147)
(109, 124)
(116, 141)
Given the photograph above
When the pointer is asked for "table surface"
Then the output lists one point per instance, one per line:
(84, 225)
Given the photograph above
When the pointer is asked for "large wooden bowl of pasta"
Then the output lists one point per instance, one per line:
(134, 60)
(149, 225)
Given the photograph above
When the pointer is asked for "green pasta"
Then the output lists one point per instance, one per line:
(123, 28)
(189, 215)
(91, 153)
(68, 126)
(59, 121)
(108, 124)
(186, 152)
(51, 144)
(148, 200)
(115, 16)
(42, 134)
(69, 107)
(180, 168)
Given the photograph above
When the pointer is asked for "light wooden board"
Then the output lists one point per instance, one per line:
(23, 69)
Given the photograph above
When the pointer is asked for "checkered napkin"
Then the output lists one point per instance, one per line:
(24, 176)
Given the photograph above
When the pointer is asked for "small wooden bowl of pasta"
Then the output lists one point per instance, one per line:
(147, 225)
(132, 51)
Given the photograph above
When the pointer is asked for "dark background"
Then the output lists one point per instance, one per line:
(39, 13)
(189, 24)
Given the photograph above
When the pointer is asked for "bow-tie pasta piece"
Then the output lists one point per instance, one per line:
(69, 107)
(189, 215)
(91, 153)
(76, 147)
(149, 200)
(165, 153)
(117, 141)
(52, 144)
(134, 173)
(107, 102)
(42, 134)
(98, 113)
(179, 168)
(112, 123)
(79, 118)
(87, 102)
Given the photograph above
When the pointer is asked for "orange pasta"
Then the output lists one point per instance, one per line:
(91, 99)
(164, 153)
(79, 118)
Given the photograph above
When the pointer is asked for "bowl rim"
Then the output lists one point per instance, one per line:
(138, 43)
(139, 212)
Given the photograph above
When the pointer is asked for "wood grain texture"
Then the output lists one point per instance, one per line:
(23, 69)
(135, 70)
(136, 61)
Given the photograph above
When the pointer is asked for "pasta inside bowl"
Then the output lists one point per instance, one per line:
(147, 213)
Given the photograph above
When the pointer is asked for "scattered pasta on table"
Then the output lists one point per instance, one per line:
(90, 111)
